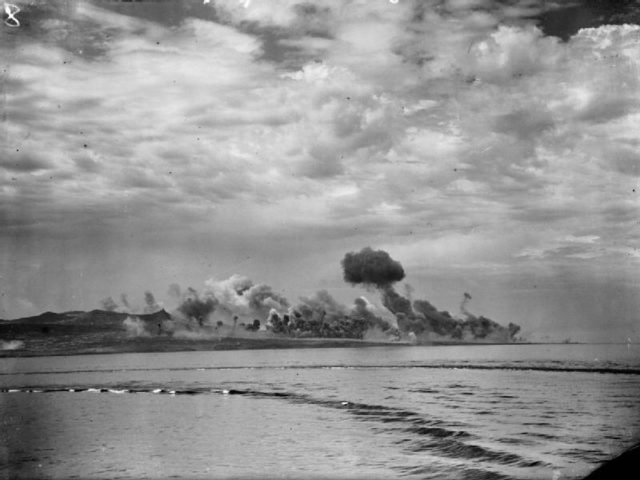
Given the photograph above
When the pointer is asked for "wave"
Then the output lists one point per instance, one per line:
(419, 434)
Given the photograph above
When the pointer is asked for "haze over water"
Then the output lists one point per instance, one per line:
(511, 411)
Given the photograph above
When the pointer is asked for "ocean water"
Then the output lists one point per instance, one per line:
(472, 412)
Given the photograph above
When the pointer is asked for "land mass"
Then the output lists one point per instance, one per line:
(100, 331)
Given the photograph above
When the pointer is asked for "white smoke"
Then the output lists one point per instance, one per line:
(135, 327)
(239, 296)
(11, 345)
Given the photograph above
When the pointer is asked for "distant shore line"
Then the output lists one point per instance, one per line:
(148, 345)
(153, 345)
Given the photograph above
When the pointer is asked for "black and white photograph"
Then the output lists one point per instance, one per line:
(330, 239)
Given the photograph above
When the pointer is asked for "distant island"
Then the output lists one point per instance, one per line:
(238, 314)
(100, 331)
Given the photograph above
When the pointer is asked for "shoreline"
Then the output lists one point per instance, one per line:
(152, 345)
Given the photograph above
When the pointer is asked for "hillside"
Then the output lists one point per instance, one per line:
(100, 331)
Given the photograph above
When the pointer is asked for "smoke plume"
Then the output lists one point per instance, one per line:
(151, 304)
(109, 304)
(239, 297)
(11, 344)
(418, 319)
(135, 327)
(236, 306)
(125, 301)
(371, 268)
(197, 308)
(463, 305)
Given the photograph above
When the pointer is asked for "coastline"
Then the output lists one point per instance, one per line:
(160, 344)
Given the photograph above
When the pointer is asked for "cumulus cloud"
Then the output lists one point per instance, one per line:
(332, 121)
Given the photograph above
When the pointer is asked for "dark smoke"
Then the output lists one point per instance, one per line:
(394, 302)
(371, 267)
(196, 308)
(463, 305)
(322, 316)
(375, 268)
(108, 304)
(262, 299)
(361, 310)
(151, 304)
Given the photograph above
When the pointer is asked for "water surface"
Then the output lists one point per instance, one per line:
(515, 411)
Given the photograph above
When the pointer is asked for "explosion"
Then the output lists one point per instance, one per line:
(376, 269)
(237, 306)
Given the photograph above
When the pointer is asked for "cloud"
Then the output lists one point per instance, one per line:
(24, 162)
(452, 128)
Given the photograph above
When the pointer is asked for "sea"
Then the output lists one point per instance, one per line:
(520, 411)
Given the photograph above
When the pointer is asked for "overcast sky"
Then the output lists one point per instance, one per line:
(490, 147)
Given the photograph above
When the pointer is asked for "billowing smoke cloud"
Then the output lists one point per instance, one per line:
(239, 297)
(135, 327)
(197, 308)
(376, 268)
(430, 324)
(236, 306)
(322, 316)
(151, 304)
(108, 304)
(371, 268)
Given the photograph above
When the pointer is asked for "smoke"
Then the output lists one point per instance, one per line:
(239, 297)
(408, 291)
(364, 309)
(151, 304)
(321, 307)
(419, 318)
(109, 304)
(321, 315)
(11, 345)
(262, 299)
(135, 327)
(463, 305)
(394, 302)
(125, 301)
(197, 308)
(371, 268)
(236, 306)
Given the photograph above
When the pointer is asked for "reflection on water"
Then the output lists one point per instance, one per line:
(530, 412)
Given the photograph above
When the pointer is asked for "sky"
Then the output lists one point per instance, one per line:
(491, 147)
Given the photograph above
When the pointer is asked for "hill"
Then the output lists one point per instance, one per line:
(100, 331)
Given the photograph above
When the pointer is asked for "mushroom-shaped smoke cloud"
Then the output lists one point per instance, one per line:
(372, 268)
